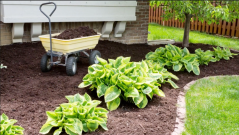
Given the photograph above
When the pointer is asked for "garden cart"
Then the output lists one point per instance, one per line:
(68, 49)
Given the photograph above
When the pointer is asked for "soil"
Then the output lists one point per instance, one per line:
(76, 33)
(27, 93)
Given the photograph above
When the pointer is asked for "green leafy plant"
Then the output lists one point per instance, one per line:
(8, 127)
(1, 66)
(80, 114)
(205, 57)
(166, 76)
(224, 53)
(175, 58)
(122, 79)
(179, 59)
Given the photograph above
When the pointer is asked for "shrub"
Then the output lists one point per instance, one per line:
(205, 57)
(175, 58)
(8, 127)
(224, 53)
(122, 79)
(80, 114)
(179, 59)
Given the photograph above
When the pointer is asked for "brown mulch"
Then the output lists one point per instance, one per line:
(27, 93)
(82, 31)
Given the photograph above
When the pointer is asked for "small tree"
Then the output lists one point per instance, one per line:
(203, 10)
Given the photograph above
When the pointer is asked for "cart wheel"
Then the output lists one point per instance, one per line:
(92, 57)
(78, 57)
(71, 66)
(45, 63)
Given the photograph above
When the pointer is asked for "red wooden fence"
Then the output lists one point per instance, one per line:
(224, 28)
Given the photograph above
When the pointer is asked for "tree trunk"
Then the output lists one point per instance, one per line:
(186, 30)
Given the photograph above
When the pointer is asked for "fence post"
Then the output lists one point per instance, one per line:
(237, 29)
(220, 27)
(151, 20)
(228, 28)
(203, 26)
(211, 28)
(215, 28)
(224, 28)
(196, 24)
(233, 28)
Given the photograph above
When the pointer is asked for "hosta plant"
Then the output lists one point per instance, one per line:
(122, 79)
(8, 127)
(175, 58)
(224, 53)
(80, 114)
(204, 57)
(166, 76)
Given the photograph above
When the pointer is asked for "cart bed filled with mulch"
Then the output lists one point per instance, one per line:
(27, 93)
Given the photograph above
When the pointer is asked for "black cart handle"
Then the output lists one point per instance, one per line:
(47, 4)
(49, 25)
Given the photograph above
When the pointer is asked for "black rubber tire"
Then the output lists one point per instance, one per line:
(71, 66)
(92, 57)
(44, 63)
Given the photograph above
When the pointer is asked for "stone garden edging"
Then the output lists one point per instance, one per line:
(181, 106)
(161, 41)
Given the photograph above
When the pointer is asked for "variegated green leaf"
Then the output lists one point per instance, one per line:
(126, 60)
(84, 84)
(112, 93)
(58, 131)
(114, 104)
(143, 103)
(118, 62)
(138, 99)
(103, 125)
(189, 67)
(196, 70)
(87, 97)
(151, 94)
(114, 78)
(172, 83)
(131, 92)
(158, 92)
(185, 51)
(92, 125)
(101, 60)
(45, 128)
(147, 90)
(177, 67)
(101, 89)
(69, 129)
(144, 66)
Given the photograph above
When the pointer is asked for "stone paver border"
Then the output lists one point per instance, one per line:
(161, 41)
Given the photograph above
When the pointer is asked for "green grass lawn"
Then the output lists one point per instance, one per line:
(164, 32)
(212, 107)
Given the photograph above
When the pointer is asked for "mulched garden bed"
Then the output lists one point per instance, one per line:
(27, 93)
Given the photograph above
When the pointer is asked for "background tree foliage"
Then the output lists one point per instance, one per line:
(204, 10)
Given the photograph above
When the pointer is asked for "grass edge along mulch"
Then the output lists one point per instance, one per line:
(164, 32)
(212, 106)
